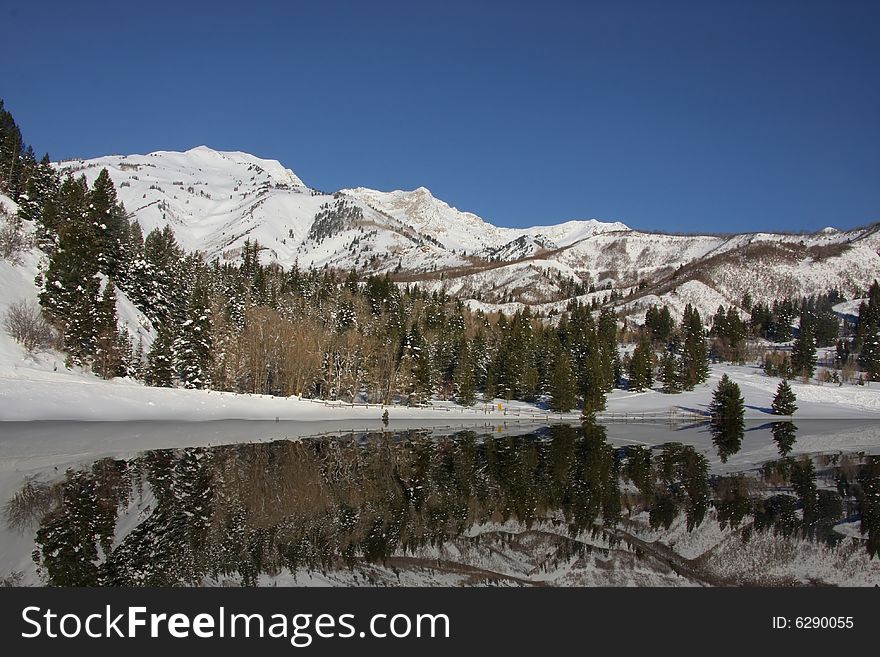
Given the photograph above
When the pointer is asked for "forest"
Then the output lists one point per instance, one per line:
(256, 327)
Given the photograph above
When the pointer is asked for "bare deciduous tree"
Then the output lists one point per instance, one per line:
(13, 239)
(24, 323)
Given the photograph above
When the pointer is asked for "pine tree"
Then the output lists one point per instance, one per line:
(784, 401)
(12, 155)
(193, 347)
(464, 376)
(869, 315)
(803, 353)
(727, 402)
(160, 359)
(108, 357)
(595, 373)
(669, 374)
(70, 286)
(869, 357)
(694, 355)
(40, 203)
(80, 328)
(563, 395)
(422, 379)
(129, 358)
(727, 417)
(162, 277)
(659, 323)
(606, 340)
(641, 374)
(109, 223)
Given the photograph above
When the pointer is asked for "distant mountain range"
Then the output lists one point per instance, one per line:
(215, 201)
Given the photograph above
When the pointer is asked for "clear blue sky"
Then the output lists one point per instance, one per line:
(683, 116)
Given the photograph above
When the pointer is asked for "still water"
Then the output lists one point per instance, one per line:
(575, 505)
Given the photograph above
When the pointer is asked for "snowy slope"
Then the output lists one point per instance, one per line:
(461, 231)
(17, 284)
(217, 200)
(466, 231)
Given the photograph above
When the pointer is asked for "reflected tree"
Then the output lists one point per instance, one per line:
(784, 435)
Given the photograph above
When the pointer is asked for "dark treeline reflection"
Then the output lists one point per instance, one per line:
(727, 436)
(784, 435)
(243, 510)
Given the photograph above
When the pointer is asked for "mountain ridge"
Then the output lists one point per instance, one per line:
(217, 200)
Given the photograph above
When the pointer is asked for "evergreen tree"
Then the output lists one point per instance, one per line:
(782, 316)
(110, 224)
(129, 358)
(595, 373)
(727, 402)
(108, 359)
(464, 376)
(563, 395)
(490, 388)
(803, 353)
(40, 203)
(13, 159)
(784, 401)
(869, 357)
(606, 339)
(70, 286)
(727, 417)
(161, 279)
(193, 347)
(420, 356)
(160, 359)
(669, 374)
(869, 314)
(659, 323)
(80, 328)
(641, 374)
(694, 356)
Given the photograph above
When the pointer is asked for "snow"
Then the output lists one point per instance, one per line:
(216, 200)
(815, 401)
(42, 395)
(849, 309)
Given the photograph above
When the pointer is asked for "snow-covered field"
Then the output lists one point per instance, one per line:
(33, 389)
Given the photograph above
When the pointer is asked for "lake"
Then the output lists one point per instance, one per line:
(265, 503)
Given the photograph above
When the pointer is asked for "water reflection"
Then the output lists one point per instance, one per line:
(784, 435)
(248, 509)
(727, 436)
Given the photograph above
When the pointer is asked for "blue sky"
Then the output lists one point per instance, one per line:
(686, 116)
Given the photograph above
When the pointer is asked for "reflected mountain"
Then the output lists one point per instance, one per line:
(379, 503)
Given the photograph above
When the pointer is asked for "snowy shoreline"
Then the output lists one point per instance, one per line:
(30, 394)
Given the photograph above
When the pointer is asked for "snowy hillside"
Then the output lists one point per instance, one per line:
(19, 368)
(216, 200)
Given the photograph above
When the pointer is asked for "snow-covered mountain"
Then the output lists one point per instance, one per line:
(216, 200)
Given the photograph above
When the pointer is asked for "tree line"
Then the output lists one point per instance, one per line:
(251, 327)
